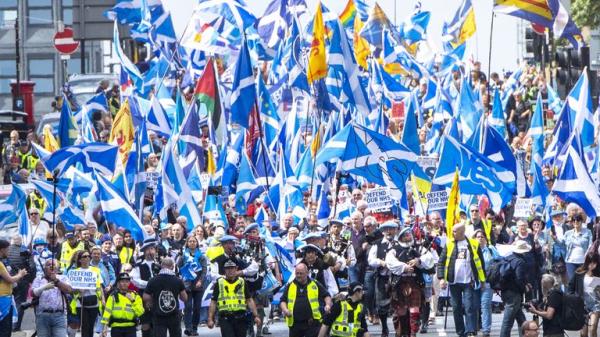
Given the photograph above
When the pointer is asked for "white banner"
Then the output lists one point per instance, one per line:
(379, 199)
(437, 200)
(82, 279)
(523, 208)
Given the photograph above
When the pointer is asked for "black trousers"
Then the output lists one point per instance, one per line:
(88, 320)
(172, 324)
(305, 329)
(233, 326)
(123, 332)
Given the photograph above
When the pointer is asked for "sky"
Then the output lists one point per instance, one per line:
(504, 51)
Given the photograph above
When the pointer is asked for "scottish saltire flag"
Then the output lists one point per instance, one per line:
(231, 160)
(366, 153)
(416, 28)
(536, 132)
(67, 129)
(574, 184)
(496, 119)
(410, 134)
(269, 116)
(510, 86)
(175, 189)
(271, 27)
(478, 174)
(554, 101)
(97, 102)
(469, 110)
(373, 29)
(304, 170)
(91, 157)
(560, 136)
(243, 95)
(245, 184)
(539, 190)
(452, 59)
(235, 12)
(9, 208)
(396, 53)
(384, 86)
(462, 26)
(192, 155)
(344, 73)
(117, 210)
(579, 102)
(129, 11)
(162, 32)
(157, 119)
(126, 64)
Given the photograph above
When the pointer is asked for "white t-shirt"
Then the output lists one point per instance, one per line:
(462, 265)
(577, 255)
(589, 284)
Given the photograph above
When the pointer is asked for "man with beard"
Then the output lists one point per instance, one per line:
(141, 274)
(341, 247)
(406, 262)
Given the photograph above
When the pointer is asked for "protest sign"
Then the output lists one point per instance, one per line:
(428, 164)
(437, 200)
(82, 279)
(522, 208)
(379, 199)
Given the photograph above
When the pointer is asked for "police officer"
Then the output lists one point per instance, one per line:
(376, 259)
(347, 317)
(68, 248)
(301, 302)
(123, 309)
(231, 297)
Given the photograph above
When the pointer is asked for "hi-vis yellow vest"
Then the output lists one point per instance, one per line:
(473, 245)
(312, 291)
(66, 253)
(124, 312)
(231, 295)
(341, 327)
(125, 255)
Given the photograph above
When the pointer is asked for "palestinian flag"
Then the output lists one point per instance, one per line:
(207, 93)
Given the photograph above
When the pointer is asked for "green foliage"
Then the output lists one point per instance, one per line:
(586, 13)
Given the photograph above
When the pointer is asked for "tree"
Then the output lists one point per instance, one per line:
(586, 13)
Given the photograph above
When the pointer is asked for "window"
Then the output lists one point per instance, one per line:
(8, 13)
(7, 73)
(41, 71)
(67, 9)
(39, 12)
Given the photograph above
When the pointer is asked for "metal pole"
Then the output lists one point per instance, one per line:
(490, 59)
(82, 56)
(18, 61)
(54, 183)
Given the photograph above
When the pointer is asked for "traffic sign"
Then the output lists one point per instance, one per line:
(64, 42)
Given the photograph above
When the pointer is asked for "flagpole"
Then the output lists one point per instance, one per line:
(490, 57)
(262, 141)
(54, 183)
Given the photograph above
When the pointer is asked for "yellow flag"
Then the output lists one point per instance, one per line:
(317, 61)
(361, 46)
(211, 167)
(50, 143)
(316, 143)
(453, 210)
(122, 131)
(421, 187)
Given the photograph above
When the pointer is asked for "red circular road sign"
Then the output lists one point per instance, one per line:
(64, 42)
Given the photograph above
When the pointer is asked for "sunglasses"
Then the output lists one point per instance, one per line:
(84, 257)
(35, 213)
(474, 211)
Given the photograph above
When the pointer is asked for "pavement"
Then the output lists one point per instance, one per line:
(280, 329)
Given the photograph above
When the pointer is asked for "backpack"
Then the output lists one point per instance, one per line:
(500, 273)
(573, 315)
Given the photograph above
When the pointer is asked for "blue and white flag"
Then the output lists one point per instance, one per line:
(469, 110)
(496, 119)
(100, 157)
(410, 134)
(536, 132)
(175, 189)
(539, 190)
(117, 210)
(268, 115)
(243, 95)
(478, 174)
(10, 209)
(278, 16)
(235, 12)
(157, 119)
(574, 184)
(126, 64)
(245, 184)
(374, 156)
(192, 154)
(554, 101)
(394, 52)
(580, 110)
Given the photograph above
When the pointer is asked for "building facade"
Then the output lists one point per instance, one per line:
(38, 21)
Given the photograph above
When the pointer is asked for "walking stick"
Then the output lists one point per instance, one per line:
(446, 316)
